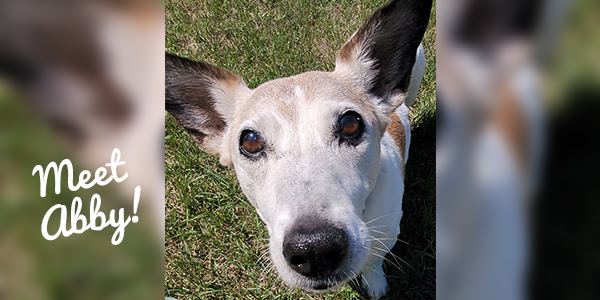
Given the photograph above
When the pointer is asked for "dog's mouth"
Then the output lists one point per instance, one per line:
(322, 283)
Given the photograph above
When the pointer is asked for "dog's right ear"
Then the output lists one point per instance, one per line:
(202, 98)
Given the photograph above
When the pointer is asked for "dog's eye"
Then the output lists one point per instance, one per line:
(350, 127)
(250, 143)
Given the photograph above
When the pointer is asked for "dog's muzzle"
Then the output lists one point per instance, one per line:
(315, 249)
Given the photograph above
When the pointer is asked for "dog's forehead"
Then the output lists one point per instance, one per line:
(287, 97)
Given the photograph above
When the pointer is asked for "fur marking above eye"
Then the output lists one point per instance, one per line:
(250, 143)
(350, 128)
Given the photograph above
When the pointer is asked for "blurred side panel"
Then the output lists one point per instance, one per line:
(517, 87)
(78, 79)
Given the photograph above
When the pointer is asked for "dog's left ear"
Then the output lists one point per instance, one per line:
(381, 53)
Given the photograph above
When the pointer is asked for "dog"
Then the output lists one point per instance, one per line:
(320, 155)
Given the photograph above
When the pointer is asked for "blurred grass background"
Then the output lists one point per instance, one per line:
(216, 245)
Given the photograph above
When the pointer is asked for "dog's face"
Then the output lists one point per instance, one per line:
(306, 153)
(306, 148)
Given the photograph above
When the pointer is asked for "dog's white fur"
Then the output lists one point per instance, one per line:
(305, 174)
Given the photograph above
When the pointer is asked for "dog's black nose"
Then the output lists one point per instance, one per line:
(315, 250)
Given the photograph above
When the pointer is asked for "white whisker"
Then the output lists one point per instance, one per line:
(383, 216)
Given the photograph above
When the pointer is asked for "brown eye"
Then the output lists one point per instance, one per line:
(349, 125)
(250, 143)
(350, 128)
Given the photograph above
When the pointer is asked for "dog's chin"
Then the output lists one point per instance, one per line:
(322, 284)
(326, 283)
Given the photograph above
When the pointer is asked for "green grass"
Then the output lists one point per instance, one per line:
(215, 242)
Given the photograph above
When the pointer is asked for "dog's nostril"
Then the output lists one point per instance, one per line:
(297, 260)
(300, 265)
(316, 253)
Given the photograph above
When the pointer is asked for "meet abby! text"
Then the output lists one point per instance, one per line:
(97, 219)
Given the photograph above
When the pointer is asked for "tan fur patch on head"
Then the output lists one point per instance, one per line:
(275, 94)
(284, 95)
(397, 131)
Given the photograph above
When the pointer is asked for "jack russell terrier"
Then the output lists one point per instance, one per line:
(320, 155)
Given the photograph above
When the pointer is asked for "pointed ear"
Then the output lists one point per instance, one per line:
(381, 53)
(202, 99)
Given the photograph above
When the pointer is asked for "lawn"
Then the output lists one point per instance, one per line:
(215, 244)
